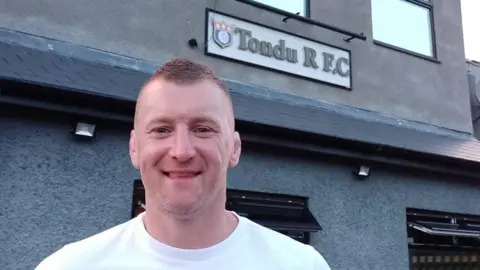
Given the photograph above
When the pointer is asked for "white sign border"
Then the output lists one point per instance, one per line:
(208, 53)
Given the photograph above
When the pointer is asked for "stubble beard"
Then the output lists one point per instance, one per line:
(184, 211)
(163, 203)
(181, 211)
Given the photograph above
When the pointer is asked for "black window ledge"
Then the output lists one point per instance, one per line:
(351, 35)
(398, 49)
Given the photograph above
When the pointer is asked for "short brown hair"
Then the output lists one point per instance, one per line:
(185, 71)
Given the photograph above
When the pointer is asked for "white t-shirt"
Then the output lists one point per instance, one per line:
(129, 246)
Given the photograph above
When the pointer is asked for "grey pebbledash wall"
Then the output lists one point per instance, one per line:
(384, 81)
(68, 190)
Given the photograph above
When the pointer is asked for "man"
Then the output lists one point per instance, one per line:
(183, 142)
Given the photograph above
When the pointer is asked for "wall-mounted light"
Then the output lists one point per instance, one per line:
(362, 171)
(84, 130)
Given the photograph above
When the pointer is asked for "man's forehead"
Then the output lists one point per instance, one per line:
(169, 99)
(161, 87)
(198, 94)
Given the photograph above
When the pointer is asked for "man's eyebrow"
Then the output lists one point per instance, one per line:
(192, 120)
(160, 119)
(200, 119)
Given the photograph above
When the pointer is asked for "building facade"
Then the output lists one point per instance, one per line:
(359, 121)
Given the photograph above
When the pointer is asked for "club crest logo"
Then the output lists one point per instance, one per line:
(222, 33)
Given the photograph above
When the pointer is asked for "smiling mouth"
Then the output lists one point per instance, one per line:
(181, 174)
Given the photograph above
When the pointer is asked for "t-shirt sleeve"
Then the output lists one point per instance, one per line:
(319, 263)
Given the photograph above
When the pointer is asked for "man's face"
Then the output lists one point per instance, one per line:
(183, 144)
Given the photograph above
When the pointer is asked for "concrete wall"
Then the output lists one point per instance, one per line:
(384, 80)
(54, 190)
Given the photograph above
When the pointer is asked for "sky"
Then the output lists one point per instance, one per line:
(471, 28)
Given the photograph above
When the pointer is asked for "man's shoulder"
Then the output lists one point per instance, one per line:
(270, 243)
(84, 249)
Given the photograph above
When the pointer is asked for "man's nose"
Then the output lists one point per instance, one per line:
(182, 148)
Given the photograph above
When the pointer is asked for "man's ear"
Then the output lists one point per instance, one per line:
(237, 149)
(133, 150)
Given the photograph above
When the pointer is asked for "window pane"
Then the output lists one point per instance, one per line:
(292, 6)
(402, 24)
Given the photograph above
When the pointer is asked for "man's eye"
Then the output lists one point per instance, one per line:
(202, 129)
(161, 130)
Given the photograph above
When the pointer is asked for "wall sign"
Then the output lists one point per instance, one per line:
(248, 42)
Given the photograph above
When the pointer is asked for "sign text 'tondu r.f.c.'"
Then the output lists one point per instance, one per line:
(259, 45)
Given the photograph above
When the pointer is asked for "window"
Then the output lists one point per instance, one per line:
(438, 240)
(404, 25)
(283, 213)
(299, 7)
(286, 214)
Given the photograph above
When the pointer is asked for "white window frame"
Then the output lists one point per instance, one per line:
(391, 29)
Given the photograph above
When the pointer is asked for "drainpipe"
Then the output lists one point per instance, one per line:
(474, 88)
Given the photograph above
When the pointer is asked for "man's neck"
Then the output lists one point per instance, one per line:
(201, 230)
